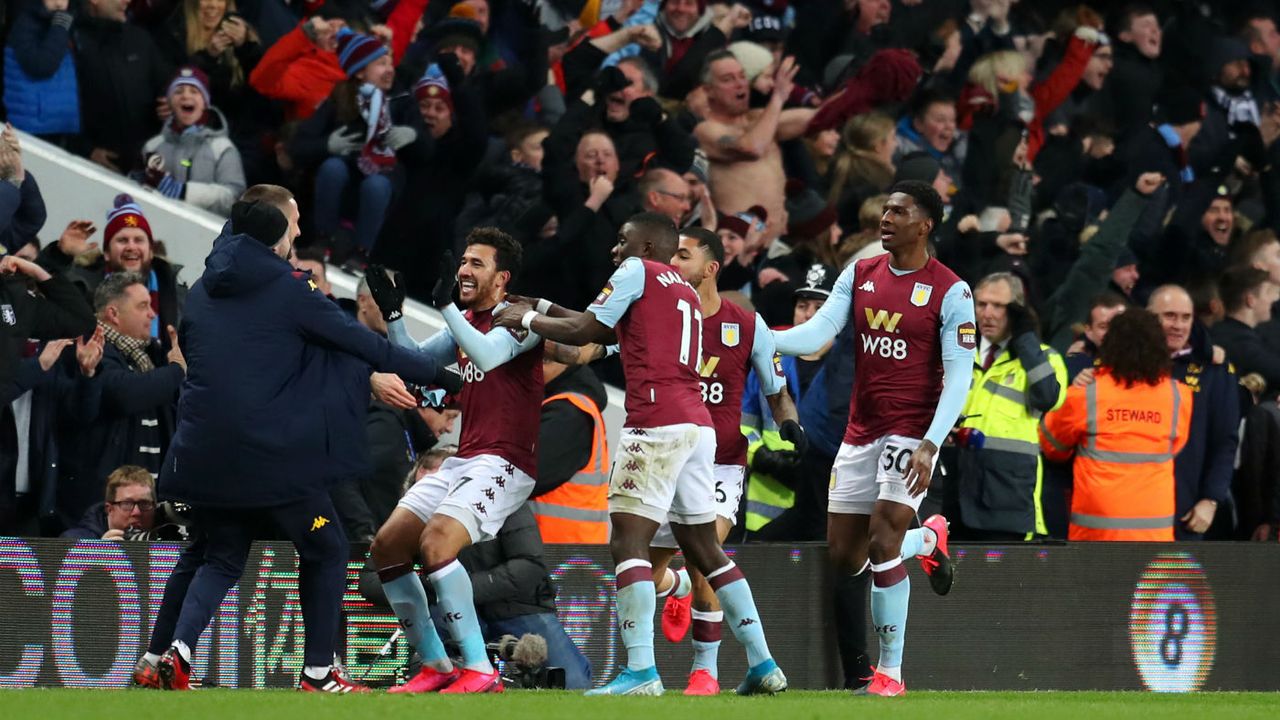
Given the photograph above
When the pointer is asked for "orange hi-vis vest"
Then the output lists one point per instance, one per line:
(1125, 439)
(578, 511)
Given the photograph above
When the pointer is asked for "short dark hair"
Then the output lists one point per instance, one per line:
(707, 240)
(508, 253)
(1105, 299)
(522, 131)
(1124, 18)
(1239, 282)
(925, 196)
(113, 287)
(660, 231)
(1134, 350)
(926, 96)
(713, 58)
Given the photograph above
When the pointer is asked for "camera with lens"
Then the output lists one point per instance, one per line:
(523, 662)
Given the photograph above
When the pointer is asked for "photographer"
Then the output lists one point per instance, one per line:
(513, 593)
(129, 512)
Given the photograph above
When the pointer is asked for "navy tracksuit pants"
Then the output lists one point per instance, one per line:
(208, 568)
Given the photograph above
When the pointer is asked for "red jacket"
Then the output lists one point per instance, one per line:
(294, 69)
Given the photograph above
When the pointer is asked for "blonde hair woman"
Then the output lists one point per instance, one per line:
(863, 163)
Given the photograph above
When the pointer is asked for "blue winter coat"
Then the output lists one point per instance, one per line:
(40, 88)
(258, 420)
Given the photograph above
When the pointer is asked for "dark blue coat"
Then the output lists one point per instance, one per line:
(258, 422)
(1204, 468)
(40, 88)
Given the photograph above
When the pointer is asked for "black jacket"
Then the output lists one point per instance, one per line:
(1131, 87)
(121, 74)
(59, 311)
(117, 420)
(1256, 489)
(565, 432)
(256, 338)
(1248, 352)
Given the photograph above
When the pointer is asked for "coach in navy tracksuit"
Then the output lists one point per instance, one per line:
(255, 441)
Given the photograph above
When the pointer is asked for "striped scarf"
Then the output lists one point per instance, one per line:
(133, 348)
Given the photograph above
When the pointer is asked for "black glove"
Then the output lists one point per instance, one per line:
(387, 288)
(1021, 321)
(794, 434)
(781, 465)
(446, 281)
(646, 111)
(608, 81)
(449, 381)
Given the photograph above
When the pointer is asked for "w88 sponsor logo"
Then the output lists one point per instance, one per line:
(885, 347)
(471, 373)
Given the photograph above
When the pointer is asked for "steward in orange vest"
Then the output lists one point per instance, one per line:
(573, 459)
(1125, 429)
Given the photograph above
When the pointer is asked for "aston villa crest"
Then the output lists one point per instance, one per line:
(729, 334)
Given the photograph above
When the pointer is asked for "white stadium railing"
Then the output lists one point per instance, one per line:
(76, 189)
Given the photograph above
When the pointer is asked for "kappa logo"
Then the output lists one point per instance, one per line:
(635, 448)
(629, 484)
(319, 522)
(744, 622)
(489, 493)
(479, 506)
(638, 432)
(882, 320)
(499, 481)
(867, 286)
(508, 468)
(631, 466)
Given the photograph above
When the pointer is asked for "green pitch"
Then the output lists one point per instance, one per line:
(43, 704)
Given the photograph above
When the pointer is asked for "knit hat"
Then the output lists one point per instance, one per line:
(193, 76)
(433, 84)
(918, 165)
(455, 32)
(1125, 258)
(754, 58)
(356, 50)
(819, 280)
(807, 213)
(125, 213)
(733, 223)
(261, 221)
(1226, 50)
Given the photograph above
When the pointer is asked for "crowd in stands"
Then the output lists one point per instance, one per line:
(1103, 166)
